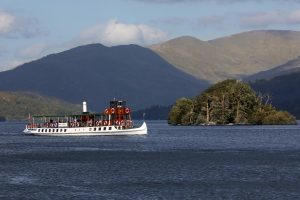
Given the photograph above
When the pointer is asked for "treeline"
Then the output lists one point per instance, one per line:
(228, 102)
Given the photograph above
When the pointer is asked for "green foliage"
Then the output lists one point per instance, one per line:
(279, 117)
(182, 112)
(229, 101)
(17, 106)
(268, 115)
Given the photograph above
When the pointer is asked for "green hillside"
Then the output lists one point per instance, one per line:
(198, 58)
(18, 105)
(234, 56)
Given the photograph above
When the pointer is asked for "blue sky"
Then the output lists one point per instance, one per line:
(30, 29)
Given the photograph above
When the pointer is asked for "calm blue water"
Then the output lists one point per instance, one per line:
(243, 162)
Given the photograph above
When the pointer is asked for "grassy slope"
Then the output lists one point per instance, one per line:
(261, 50)
(17, 105)
(231, 57)
(196, 57)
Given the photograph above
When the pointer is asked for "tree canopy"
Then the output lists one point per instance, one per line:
(228, 102)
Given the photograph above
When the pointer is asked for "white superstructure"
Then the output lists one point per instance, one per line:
(86, 131)
(115, 120)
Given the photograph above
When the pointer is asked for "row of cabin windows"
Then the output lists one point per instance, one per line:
(53, 130)
(99, 129)
(65, 130)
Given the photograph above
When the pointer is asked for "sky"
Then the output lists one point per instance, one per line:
(31, 29)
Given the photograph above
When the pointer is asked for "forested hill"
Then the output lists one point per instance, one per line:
(18, 105)
(97, 74)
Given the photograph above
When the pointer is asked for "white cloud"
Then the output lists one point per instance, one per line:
(10, 64)
(110, 34)
(117, 33)
(26, 54)
(6, 22)
(12, 26)
(34, 51)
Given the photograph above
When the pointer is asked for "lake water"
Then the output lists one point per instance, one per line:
(217, 162)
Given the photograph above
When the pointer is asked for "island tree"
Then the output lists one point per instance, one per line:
(228, 102)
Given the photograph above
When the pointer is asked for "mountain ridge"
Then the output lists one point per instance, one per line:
(187, 54)
(97, 74)
(283, 90)
(289, 67)
(234, 56)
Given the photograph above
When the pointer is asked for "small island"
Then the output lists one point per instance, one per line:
(230, 102)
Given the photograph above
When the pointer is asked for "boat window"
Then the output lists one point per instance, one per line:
(45, 130)
(99, 129)
(49, 130)
(60, 130)
(56, 130)
(95, 129)
(65, 130)
(109, 128)
(42, 130)
(104, 128)
(39, 130)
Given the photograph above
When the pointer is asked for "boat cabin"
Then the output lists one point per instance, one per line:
(117, 114)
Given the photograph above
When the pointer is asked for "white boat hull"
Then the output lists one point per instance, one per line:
(87, 131)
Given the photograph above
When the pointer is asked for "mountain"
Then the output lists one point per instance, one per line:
(261, 50)
(199, 58)
(287, 68)
(234, 56)
(284, 91)
(18, 105)
(97, 74)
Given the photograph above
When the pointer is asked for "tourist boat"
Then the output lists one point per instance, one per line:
(115, 120)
